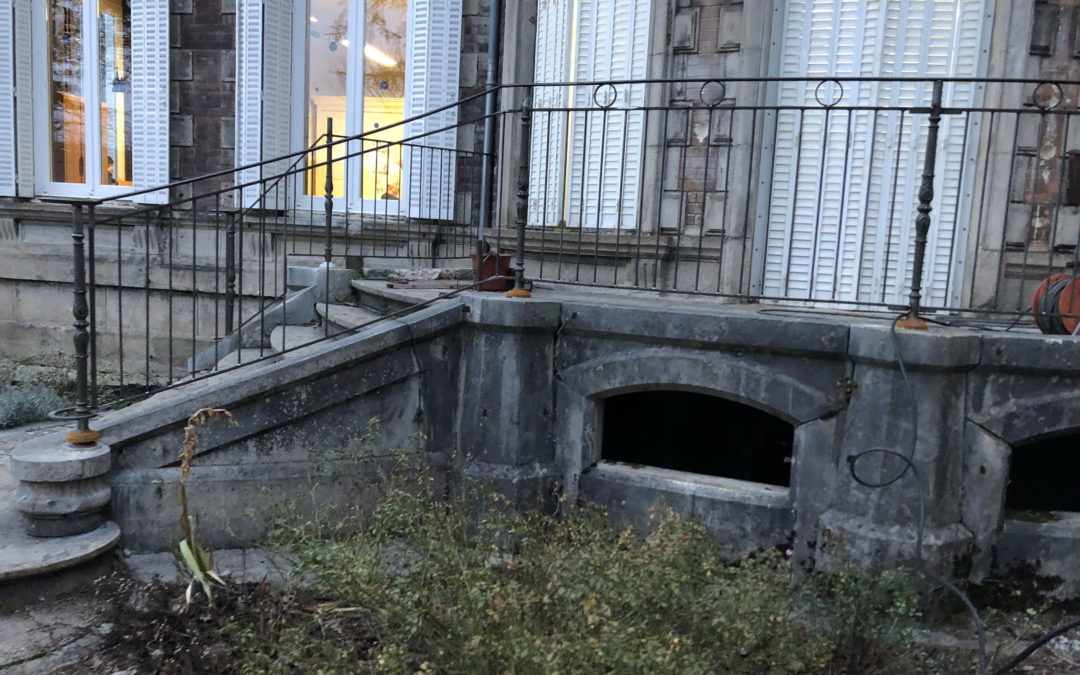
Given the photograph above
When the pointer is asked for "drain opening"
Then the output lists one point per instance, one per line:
(697, 433)
(1043, 476)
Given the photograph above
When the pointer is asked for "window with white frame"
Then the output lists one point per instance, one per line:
(97, 121)
(364, 65)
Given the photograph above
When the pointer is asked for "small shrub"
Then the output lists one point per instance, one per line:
(26, 403)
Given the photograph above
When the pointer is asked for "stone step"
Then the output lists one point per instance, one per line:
(346, 317)
(36, 568)
(417, 273)
(377, 296)
(246, 355)
(286, 337)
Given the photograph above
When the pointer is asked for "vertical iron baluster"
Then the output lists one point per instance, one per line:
(120, 296)
(519, 290)
(92, 290)
(194, 285)
(328, 203)
(80, 310)
(922, 221)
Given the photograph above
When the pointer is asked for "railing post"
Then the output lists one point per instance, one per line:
(230, 271)
(522, 212)
(329, 190)
(82, 434)
(922, 222)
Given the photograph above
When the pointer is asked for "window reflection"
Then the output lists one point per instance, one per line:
(383, 90)
(384, 95)
(328, 31)
(114, 77)
(67, 110)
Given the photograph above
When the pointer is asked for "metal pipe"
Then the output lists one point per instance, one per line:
(922, 221)
(487, 168)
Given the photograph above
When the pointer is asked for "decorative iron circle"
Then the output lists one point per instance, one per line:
(1047, 95)
(715, 101)
(70, 415)
(817, 93)
(606, 86)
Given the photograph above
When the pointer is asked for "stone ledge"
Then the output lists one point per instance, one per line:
(27, 556)
(934, 349)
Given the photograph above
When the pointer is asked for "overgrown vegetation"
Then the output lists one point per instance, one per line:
(31, 388)
(26, 402)
(434, 579)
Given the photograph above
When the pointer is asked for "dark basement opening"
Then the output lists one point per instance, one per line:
(1043, 475)
(698, 433)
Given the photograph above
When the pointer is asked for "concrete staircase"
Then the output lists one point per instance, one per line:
(36, 567)
(324, 303)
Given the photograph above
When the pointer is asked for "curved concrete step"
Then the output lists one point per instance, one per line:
(376, 296)
(286, 337)
(346, 317)
(35, 567)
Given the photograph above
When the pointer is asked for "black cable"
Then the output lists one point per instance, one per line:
(909, 465)
(920, 563)
(1016, 660)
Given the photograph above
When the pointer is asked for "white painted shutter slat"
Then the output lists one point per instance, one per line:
(24, 99)
(276, 113)
(249, 79)
(841, 222)
(7, 99)
(431, 82)
(547, 156)
(606, 146)
(150, 97)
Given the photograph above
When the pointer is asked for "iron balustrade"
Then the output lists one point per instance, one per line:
(932, 197)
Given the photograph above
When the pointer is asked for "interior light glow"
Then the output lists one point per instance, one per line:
(313, 19)
(376, 55)
(343, 43)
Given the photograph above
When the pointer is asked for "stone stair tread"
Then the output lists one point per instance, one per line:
(25, 556)
(404, 296)
(246, 355)
(286, 337)
(416, 273)
(346, 316)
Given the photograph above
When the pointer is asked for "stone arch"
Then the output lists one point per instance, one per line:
(721, 375)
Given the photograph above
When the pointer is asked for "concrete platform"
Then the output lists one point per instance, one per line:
(24, 558)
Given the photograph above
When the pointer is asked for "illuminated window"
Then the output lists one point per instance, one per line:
(85, 64)
(381, 45)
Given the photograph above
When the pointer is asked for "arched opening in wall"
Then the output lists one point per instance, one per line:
(1043, 476)
(693, 432)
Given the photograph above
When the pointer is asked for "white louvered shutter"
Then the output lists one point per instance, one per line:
(606, 146)
(249, 79)
(24, 99)
(547, 153)
(844, 187)
(7, 99)
(150, 97)
(431, 82)
(277, 99)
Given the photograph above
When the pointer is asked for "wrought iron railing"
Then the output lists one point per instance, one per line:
(947, 195)
(159, 284)
(924, 196)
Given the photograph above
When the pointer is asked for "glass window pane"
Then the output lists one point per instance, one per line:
(328, 46)
(114, 86)
(67, 118)
(384, 95)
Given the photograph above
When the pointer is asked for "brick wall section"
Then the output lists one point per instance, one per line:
(202, 92)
